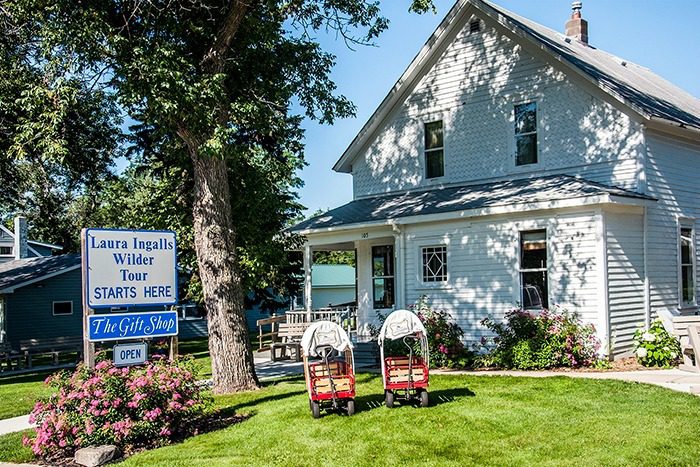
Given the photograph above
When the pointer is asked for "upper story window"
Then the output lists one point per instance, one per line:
(434, 150)
(533, 269)
(434, 263)
(5, 250)
(526, 133)
(686, 273)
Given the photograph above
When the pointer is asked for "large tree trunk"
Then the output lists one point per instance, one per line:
(215, 242)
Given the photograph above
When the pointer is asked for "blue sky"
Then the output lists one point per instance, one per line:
(662, 35)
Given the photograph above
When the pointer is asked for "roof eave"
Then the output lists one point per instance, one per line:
(599, 199)
(12, 288)
(402, 85)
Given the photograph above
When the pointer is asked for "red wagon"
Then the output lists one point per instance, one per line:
(405, 376)
(329, 368)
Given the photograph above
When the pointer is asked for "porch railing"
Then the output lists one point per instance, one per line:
(346, 317)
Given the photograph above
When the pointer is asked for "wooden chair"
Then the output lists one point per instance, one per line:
(687, 330)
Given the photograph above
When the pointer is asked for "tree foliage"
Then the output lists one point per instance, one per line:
(213, 82)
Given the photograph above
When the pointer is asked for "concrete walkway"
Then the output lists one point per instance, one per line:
(10, 425)
(675, 379)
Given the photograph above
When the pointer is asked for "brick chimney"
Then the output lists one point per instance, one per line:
(577, 27)
(21, 246)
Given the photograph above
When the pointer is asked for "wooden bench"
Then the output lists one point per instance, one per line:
(290, 335)
(687, 330)
(51, 346)
(9, 358)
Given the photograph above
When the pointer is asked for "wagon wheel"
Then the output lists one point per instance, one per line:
(424, 399)
(351, 406)
(389, 398)
(315, 409)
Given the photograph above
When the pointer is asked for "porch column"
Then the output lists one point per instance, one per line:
(399, 267)
(308, 261)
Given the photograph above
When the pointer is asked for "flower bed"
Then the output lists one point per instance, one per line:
(654, 347)
(547, 339)
(129, 407)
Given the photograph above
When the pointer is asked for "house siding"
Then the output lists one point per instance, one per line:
(472, 88)
(483, 266)
(30, 309)
(625, 257)
(671, 172)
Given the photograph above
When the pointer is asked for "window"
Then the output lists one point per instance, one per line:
(687, 266)
(383, 276)
(5, 250)
(62, 308)
(526, 134)
(434, 263)
(434, 154)
(533, 269)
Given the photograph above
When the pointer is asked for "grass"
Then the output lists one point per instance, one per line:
(19, 393)
(12, 450)
(473, 420)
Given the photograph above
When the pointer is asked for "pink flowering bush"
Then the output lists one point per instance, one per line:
(546, 339)
(444, 337)
(129, 407)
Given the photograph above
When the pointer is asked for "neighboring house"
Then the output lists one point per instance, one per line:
(332, 285)
(14, 246)
(40, 298)
(515, 165)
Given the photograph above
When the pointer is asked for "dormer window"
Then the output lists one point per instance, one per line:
(526, 133)
(434, 150)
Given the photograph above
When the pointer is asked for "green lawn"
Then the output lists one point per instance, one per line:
(19, 393)
(475, 420)
(472, 420)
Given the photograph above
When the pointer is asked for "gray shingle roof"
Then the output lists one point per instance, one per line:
(17, 272)
(638, 86)
(504, 193)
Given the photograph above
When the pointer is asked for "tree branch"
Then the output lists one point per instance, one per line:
(215, 58)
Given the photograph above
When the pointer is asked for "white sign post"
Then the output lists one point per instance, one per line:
(126, 268)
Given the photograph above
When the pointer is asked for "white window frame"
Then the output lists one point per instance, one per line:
(687, 223)
(392, 277)
(53, 308)
(419, 243)
(513, 145)
(422, 264)
(10, 254)
(519, 273)
(425, 122)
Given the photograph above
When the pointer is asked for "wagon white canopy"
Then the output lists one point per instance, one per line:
(324, 333)
(400, 323)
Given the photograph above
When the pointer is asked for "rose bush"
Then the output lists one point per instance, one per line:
(547, 339)
(656, 347)
(143, 406)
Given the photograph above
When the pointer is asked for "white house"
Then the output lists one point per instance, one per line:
(516, 165)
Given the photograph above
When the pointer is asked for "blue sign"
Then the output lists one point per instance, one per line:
(123, 326)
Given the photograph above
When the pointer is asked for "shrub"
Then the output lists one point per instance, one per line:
(129, 407)
(445, 346)
(444, 337)
(656, 347)
(551, 338)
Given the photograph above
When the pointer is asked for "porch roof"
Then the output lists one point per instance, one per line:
(460, 198)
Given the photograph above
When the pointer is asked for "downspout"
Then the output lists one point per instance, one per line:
(642, 188)
(400, 270)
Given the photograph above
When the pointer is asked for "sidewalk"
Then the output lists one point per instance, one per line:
(675, 379)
